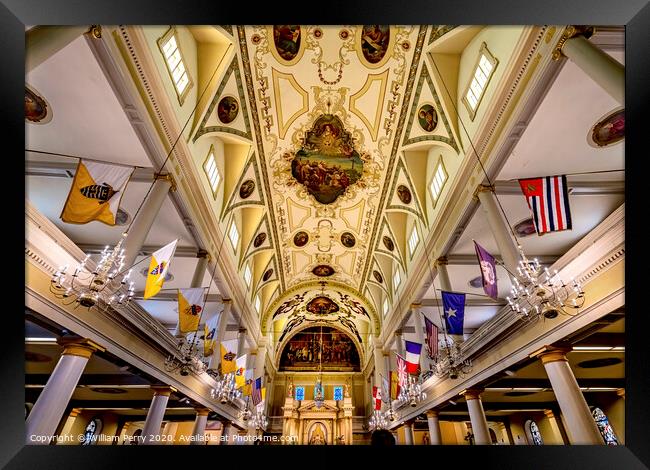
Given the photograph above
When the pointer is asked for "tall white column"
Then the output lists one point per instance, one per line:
(144, 220)
(198, 433)
(477, 416)
(555, 428)
(156, 414)
(42, 42)
(67, 427)
(197, 279)
(48, 410)
(241, 341)
(408, 433)
(500, 229)
(434, 428)
(399, 343)
(443, 275)
(580, 425)
(600, 66)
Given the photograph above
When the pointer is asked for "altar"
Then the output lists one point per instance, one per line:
(327, 424)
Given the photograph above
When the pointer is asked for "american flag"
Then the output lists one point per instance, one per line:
(401, 370)
(257, 391)
(432, 338)
(548, 200)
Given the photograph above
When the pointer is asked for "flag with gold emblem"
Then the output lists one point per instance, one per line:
(248, 386)
(190, 303)
(209, 336)
(394, 385)
(158, 267)
(96, 192)
(240, 371)
(228, 355)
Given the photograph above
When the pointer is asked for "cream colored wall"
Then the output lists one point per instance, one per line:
(517, 429)
(108, 431)
(615, 412)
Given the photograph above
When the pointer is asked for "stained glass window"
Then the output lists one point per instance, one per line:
(300, 393)
(92, 429)
(533, 434)
(604, 427)
(338, 393)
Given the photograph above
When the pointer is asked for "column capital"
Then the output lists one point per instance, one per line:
(200, 411)
(551, 354)
(241, 330)
(76, 346)
(416, 305)
(75, 412)
(432, 413)
(482, 188)
(398, 332)
(549, 414)
(571, 32)
(162, 390)
(621, 393)
(203, 254)
(441, 261)
(167, 177)
(95, 31)
(472, 393)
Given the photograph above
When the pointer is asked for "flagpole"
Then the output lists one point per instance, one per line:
(83, 158)
(573, 174)
(443, 324)
(467, 293)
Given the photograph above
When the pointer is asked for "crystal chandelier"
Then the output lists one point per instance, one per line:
(191, 361)
(225, 391)
(259, 419)
(540, 292)
(102, 286)
(452, 363)
(411, 392)
(377, 421)
(389, 414)
(245, 414)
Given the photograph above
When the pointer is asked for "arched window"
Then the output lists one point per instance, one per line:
(604, 427)
(93, 428)
(532, 433)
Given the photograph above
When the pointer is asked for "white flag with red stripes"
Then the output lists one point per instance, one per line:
(548, 200)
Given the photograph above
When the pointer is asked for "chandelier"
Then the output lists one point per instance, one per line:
(225, 391)
(191, 361)
(540, 292)
(245, 414)
(452, 364)
(259, 419)
(389, 414)
(102, 286)
(377, 421)
(411, 392)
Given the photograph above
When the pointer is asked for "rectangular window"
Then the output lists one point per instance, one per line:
(414, 239)
(385, 306)
(483, 71)
(300, 393)
(258, 303)
(233, 234)
(338, 393)
(438, 181)
(248, 275)
(175, 65)
(396, 279)
(212, 172)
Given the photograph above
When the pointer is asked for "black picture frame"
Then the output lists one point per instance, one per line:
(635, 14)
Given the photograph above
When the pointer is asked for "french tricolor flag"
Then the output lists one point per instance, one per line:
(412, 356)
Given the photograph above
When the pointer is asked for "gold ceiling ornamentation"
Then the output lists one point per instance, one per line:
(285, 102)
(373, 91)
(404, 197)
(244, 193)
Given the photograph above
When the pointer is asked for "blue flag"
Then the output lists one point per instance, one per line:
(454, 310)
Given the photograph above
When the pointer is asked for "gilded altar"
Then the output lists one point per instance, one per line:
(309, 424)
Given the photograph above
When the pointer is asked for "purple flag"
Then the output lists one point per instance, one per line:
(488, 271)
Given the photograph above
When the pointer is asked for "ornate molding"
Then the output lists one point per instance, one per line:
(571, 32)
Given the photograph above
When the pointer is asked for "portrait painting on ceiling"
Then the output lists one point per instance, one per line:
(35, 106)
(227, 109)
(307, 349)
(525, 228)
(427, 117)
(327, 163)
(374, 42)
(609, 130)
(322, 305)
(388, 243)
(259, 239)
(287, 40)
(267, 275)
(246, 189)
(404, 194)
(323, 270)
(348, 240)
(300, 239)
(378, 277)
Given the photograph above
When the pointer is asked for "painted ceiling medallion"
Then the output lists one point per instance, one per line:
(343, 34)
(427, 117)
(300, 239)
(259, 239)
(406, 45)
(246, 189)
(609, 130)
(227, 109)
(322, 305)
(323, 270)
(525, 228)
(327, 163)
(388, 243)
(348, 240)
(318, 33)
(35, 107)
(404, 194)
(267, 275)
(378, 277)
(374, 42)
(476, 282)
(287, 39)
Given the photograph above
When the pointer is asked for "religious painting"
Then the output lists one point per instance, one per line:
(609, 130)
(327, 163)
(323, 270)
(267, 275)
(246, 189)
(317, 434)
(322, 305)
(287, 40)
(427, 117)
(388, 243)
(374, 42)
(300, 239)
(348, 240)
(259, 239)
(404, 194)
(331, 348)
(35, 107)
(378, 277)
(525, 228)
(227, 109)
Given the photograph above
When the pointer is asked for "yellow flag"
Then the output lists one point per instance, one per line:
(96, 192)
(248, 386)
(228, 355)
(189, 308)
(240, 377)
(208, 337)
(158, 269)
(263, 393)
